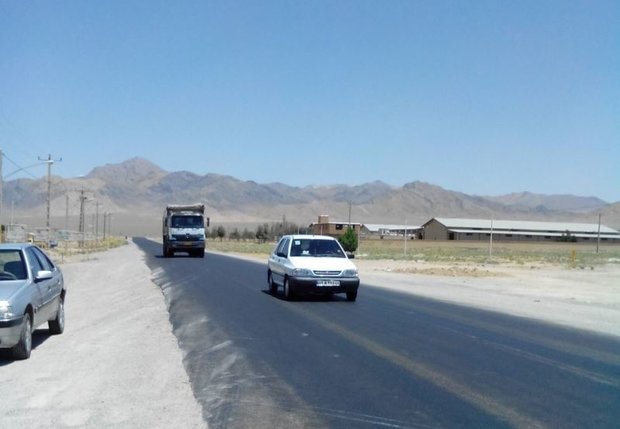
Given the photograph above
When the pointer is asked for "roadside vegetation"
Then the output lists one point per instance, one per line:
(67, 250)
(572, 255)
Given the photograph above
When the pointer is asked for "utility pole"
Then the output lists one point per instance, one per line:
(110, 224)
(66, 213)
(405, 234)
(491, 242)
(81, 226)
(105, 215)
(97, 204)
(49, 161)
(350, 214)
(598, 235)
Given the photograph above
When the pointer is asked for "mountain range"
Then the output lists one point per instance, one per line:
(139, 188)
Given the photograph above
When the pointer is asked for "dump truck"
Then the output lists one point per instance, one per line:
(184, 229)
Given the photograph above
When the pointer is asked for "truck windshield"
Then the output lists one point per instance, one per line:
(187, 222)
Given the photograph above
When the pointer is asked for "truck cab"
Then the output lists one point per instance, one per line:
(184, 230)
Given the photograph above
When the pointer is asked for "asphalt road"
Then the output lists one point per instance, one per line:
(388, 360)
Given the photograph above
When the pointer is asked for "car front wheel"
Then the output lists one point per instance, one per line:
(57, 326)
(288, 292)
(352, 296)
(273, 287)
(22, 349)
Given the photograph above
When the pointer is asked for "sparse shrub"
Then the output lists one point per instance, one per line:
(349, 240)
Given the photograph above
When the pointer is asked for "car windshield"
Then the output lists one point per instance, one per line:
(13, 267)
(316, 247)
(187, 222)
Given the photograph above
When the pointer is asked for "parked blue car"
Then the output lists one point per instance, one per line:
(32, 292)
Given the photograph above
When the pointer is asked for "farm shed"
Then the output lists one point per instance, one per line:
(516, 230)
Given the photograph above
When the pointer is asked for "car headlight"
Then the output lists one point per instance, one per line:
(302, 272)
(349, 273)
(6, 311)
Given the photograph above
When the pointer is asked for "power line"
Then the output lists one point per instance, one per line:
(20, 168)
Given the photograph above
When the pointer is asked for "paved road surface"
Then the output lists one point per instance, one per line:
(388, 360)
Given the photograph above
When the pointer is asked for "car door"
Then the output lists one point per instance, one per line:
(42, 302)
(55, 284)
(277, 261)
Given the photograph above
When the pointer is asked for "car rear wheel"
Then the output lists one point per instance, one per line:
(22, 349)
(273, 287)
(57, 326)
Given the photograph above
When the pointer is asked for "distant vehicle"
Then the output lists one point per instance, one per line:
(32, 292)
(313, 264)
(184, 229)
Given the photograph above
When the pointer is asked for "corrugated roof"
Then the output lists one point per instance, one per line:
(534, 234)
(382, 226)
(524, 225)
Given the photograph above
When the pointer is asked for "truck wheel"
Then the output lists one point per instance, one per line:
(22, 349)
(57, 326)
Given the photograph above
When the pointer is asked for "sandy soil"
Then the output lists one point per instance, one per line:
(118, 363)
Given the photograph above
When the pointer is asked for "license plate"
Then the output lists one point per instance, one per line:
(187, 243)
(328, 283)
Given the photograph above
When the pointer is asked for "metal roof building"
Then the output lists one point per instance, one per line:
(390, 229)
(516, 230)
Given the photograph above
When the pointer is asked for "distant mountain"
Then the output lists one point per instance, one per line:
(140, 188)
(569, 203)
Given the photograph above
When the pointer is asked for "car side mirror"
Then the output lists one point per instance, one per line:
(350, 255)
(43, 275)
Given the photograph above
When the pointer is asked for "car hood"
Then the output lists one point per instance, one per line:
(323, 263)
(8, 288)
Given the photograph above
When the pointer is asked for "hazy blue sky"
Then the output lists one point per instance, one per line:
(483, 97)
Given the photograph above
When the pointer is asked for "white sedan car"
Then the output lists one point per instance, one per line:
(312, 264)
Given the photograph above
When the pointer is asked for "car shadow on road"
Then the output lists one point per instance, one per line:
(182, 256)
(307, 298)
(39, 336)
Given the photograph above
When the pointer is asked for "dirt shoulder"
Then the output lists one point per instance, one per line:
(117, 364)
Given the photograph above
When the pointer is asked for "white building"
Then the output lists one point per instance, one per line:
(516, 230)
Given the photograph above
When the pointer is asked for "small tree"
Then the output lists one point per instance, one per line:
(246, 234)
(349, 240)
(221, 232)
(261, 233)
(235, 234)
